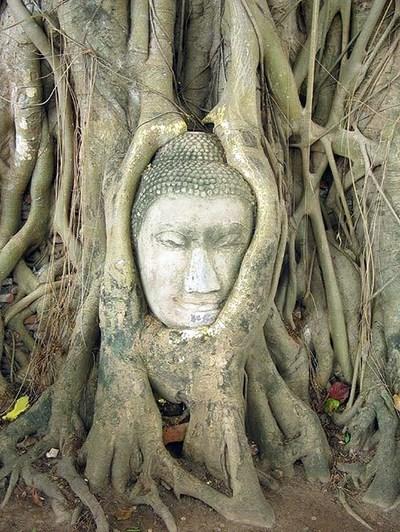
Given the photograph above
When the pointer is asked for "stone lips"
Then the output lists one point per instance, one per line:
(192, 164)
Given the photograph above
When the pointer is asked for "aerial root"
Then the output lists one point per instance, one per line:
(345, 417)
(359, 420)
(360, 426)
(10, 488)
(350, 511)
(67, 471)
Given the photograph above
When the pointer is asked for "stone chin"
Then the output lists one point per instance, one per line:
(198, 319)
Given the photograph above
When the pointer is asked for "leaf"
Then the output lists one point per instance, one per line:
(331, 405)
(20, 406)
(339, 390)
(123, 514)
(36, 499)
(346, 437)
(396, 401)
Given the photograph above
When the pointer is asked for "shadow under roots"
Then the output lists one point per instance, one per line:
(175, 449)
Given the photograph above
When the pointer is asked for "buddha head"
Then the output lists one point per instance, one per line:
(192, 220)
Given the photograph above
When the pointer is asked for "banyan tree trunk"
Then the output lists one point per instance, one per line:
(304, 102)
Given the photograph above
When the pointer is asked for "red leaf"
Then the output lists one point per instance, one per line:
(6, 298)
(339, 390)
(33, 318)
(36, 498)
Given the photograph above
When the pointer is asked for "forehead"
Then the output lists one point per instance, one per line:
(192, 211)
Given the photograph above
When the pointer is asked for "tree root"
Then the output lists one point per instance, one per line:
(244, 506)
(284, 426)
(20, 467)
(41, 482)
(14, 462)
(240, 508)
(350, 511)
(23, 470)
(295, 433)
(289, 356)
(221, 444)
(67, 471)
(384, 467)
(146, 492)
(35, 420)
(381, 473)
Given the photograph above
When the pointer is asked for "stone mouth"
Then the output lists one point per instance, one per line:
(200, 306)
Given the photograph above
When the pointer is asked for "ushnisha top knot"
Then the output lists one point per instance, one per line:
(192, 164)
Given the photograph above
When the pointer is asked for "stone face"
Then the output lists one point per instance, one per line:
(192, 222)
(189, 250)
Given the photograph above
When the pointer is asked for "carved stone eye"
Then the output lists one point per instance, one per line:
(230, 240)
(171, 239)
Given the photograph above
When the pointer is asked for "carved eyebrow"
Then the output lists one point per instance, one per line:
(167, 227)
(230, 227)
(217, 229)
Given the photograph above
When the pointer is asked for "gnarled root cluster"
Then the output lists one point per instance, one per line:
(89, 92)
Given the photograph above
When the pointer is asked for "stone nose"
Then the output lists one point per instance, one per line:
(201, 276)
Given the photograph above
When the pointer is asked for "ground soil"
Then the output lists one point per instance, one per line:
(299, 507)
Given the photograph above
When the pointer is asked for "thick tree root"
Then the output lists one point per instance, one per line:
(42, 483)
(384, 467)
(128, 445)
(381, 474)
(239, 508)
(284, 427)
(289, 356)
(146, 492)
(67, 471)
(221, 444)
